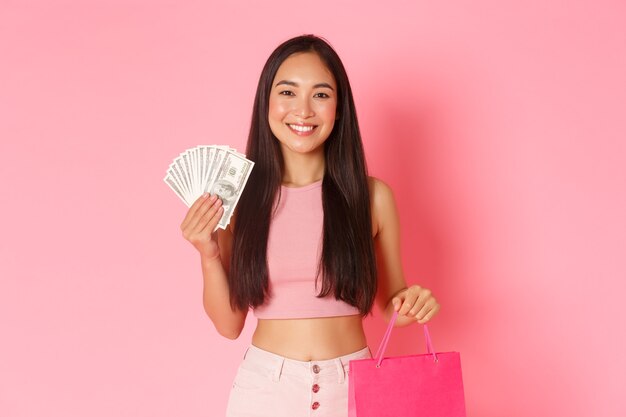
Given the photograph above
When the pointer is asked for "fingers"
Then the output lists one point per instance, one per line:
(211, 218)
(410, 297)
(412, 301)
(205, 211)
(431, 313)
(418, 303)
(423, 297)
(429, 309)
(194, 208)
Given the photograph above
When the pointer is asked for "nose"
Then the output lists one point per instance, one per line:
(303, 108)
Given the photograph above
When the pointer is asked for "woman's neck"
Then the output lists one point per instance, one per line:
(303, 169)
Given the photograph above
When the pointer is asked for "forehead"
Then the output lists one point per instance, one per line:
(304, 68)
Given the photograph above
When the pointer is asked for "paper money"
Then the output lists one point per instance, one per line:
(215, 169)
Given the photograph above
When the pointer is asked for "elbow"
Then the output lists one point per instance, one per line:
(231, 333)
(230, 329)
(230, 325)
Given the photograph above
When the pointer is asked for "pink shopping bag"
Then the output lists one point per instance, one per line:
(428, 385)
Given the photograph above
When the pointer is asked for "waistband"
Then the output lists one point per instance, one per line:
(279, 365)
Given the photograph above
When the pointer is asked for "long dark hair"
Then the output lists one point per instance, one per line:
(348, 263)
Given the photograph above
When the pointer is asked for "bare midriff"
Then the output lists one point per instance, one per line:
(311, 339)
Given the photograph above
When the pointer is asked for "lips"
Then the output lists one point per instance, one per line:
(302, 129)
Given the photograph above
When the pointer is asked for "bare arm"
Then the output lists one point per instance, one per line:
(214, 249)
(415, 304)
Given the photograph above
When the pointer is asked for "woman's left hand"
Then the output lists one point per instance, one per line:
(416, 302)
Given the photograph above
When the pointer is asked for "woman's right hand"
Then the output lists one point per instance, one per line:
(199, 223)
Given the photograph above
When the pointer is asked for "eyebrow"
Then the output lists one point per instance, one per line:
(294, 84)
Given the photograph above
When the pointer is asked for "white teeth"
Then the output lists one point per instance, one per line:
(301, 128)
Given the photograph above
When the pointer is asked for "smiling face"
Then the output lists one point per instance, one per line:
(303, 104)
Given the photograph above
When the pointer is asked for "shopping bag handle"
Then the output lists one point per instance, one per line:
(383, 344)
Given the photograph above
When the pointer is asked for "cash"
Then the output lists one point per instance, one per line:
(215, 169)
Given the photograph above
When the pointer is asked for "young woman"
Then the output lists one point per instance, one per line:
(314, 243)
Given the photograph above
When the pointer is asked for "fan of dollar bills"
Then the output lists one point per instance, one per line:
(215, 169)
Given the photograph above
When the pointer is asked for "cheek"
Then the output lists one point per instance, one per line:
(277, 109)
(276, 113)
(328, 111)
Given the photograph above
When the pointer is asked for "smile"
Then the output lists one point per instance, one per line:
(301, 128)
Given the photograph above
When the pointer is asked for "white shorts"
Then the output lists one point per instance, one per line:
(270, 385)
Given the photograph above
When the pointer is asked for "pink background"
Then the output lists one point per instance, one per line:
(500, 125)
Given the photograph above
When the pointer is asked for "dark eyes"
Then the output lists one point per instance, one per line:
(290, 93)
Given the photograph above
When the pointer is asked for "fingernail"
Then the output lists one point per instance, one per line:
(205, 195)
(213, 197)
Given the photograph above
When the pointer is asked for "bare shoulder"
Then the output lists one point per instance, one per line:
(380, 192)
(382, 203)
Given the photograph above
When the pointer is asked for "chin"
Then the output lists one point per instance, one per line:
(302, 149)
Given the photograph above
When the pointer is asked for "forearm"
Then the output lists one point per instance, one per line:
(215, 297)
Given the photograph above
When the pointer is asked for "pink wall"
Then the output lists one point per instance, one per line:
(500, 125)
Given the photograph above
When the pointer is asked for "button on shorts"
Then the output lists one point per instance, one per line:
(270, 385)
